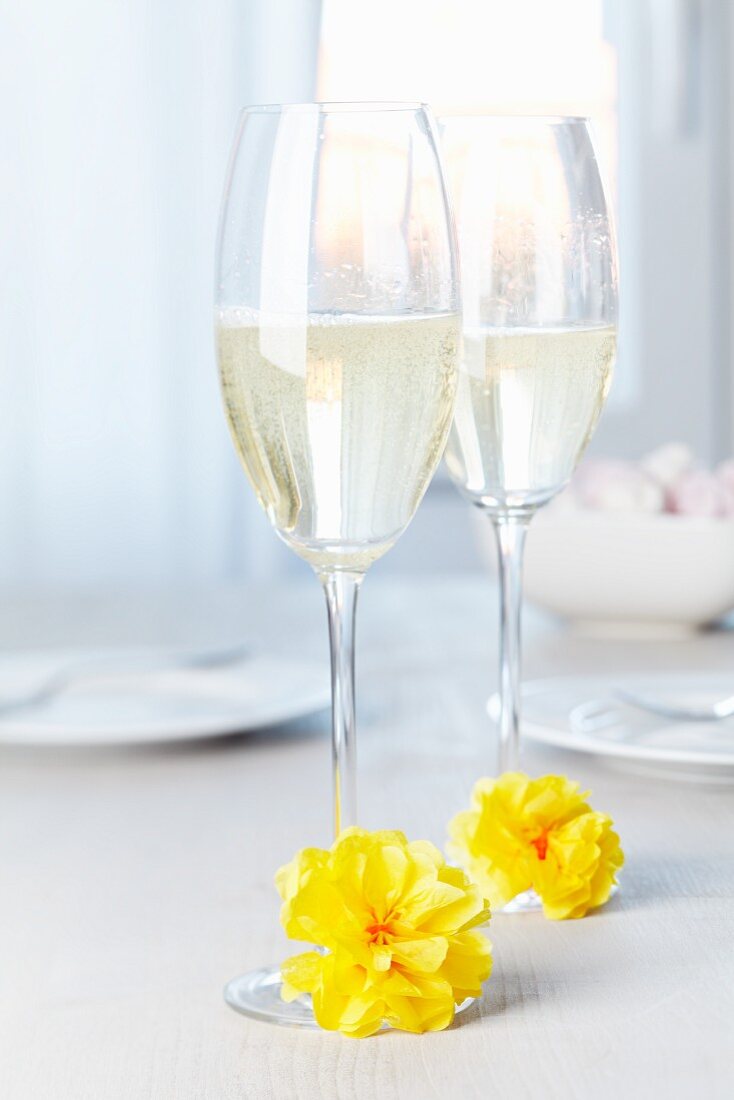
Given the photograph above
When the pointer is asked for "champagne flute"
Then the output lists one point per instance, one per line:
(338, 330)
(539, 290)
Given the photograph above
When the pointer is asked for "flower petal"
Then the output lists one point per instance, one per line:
(301, 973)
(384, 878)
(425, 955)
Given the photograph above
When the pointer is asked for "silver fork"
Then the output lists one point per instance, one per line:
(106, 663)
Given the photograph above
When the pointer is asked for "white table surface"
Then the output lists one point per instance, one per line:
(134, 883)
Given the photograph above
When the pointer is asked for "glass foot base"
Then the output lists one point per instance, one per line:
(257, 995)
(526, 902)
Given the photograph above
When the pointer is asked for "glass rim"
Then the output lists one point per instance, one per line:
(495, 116)
(335, 107)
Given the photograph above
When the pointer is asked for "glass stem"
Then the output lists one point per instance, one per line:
(341, 600)
(510, 531)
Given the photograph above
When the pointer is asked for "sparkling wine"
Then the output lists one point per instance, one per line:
(339, 422)
(527, 404)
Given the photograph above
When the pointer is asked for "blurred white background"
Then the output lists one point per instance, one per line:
(116, 118)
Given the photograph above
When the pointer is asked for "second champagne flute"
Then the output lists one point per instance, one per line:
(539, 293)
(337, 337)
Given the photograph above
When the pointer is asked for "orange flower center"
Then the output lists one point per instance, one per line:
(382, 931)
(540, 843)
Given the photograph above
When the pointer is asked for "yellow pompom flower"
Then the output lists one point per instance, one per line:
(398, 931)
(540, 833)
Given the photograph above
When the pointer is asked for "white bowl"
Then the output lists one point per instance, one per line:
(627, 573)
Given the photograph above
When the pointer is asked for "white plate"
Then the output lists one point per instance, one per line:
(175, 705)
(554, 713)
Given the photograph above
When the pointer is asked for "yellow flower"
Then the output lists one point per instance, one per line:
(398, 928)
(540, 833)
